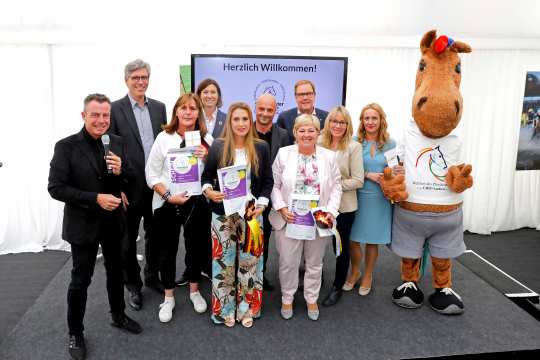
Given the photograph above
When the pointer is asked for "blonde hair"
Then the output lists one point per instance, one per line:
(383, 136)
(306, 119)
(228, 156)
(326, 134)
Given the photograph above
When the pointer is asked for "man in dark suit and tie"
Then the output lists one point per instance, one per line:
(304, 93)
(276, 137)
(138, 120)
(90, 182)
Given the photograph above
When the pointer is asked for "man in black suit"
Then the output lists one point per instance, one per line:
(138, 120)
(90, 187)
(276, 137)
(304, 93)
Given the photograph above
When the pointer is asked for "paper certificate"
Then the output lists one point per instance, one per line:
(391, 157)
(303, 227)
(184, 171)
(233, 184)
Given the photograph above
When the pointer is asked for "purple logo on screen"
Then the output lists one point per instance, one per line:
(274, 88)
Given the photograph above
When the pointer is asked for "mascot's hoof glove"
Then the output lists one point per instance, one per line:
(446, 301)
(408, 296)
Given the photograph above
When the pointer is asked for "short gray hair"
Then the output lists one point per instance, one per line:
(134, 66)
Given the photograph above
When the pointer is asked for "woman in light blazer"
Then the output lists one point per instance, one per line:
(303, 168)
(337, 136)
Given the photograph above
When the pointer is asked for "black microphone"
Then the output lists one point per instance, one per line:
(106, 141)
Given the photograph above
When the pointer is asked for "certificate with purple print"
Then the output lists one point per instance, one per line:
(184, 171)
(303, 226)
(233, 184)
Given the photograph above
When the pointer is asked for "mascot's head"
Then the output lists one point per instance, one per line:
(437, 103)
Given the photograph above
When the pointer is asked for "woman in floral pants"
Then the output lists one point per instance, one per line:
(237, 242)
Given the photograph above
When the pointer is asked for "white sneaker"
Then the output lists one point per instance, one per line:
(166, 309)
(199, 304)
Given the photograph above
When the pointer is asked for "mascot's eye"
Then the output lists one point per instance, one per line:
(458, 68)
(422, 65)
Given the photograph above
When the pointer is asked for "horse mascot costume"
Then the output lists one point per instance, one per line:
(428, 213)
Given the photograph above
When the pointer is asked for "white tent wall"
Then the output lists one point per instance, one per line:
(52, 62)
(60, 76)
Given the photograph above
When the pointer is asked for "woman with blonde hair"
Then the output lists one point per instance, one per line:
(237, 264)
(337, 136)
(303, 170)
(373, 221)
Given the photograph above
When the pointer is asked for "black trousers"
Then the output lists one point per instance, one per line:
(194, 217)
(132, 270)
(267, 230)
(84, 261)
(344, 225)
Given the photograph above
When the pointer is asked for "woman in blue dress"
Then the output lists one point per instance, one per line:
(373, 219)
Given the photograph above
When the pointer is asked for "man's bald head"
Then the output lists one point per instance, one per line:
(265, 109)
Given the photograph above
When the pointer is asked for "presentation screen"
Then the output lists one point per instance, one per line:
(246, 77)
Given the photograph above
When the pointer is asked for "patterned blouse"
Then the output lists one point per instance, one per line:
(307, 175)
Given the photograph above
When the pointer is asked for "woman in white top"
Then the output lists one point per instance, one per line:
(237, 261)
(172, 211)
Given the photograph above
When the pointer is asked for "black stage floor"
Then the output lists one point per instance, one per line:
(358, 327)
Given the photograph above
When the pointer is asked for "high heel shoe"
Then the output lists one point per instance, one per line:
(363, 291)
(348, 286)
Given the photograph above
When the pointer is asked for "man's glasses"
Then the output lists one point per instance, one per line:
(139, 78)
(305, 94)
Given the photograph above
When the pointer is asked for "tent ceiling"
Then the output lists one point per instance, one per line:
(276, 22)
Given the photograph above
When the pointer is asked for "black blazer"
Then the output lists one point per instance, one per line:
(220, 124)
(75, 178)
(123, 124)
(286, 120)
(280, 138)
(260, 185)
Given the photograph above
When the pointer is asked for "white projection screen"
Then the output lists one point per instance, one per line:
(246, 77)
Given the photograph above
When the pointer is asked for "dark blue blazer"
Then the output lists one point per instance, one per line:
(123, 124)
(286, 120)
(220, 124)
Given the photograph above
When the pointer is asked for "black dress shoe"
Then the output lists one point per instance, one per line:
(182, 281)
(135, 299)
(122, 321)
(77, 347)
(333, 297)
(157, 286)
(267, 285)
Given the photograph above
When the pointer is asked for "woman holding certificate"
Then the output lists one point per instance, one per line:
(373, 220)
(237, 170)
(173, 171)
(305, 176)
(337, 136)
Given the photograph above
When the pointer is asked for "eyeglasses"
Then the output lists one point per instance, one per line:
(338, 123)
(305, 94)
(139, 78)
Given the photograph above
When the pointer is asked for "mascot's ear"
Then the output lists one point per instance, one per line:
(427, 40)
(460, 47)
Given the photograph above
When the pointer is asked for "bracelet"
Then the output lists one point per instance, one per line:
(166, 196)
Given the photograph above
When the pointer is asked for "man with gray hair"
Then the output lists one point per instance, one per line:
(138, 120)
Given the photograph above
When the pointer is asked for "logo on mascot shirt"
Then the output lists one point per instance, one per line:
(435, 161)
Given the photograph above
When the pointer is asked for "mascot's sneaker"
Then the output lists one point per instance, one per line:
(446, 301)
(408, 296)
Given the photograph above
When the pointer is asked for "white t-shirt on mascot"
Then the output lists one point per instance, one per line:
(426, 163)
